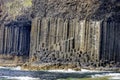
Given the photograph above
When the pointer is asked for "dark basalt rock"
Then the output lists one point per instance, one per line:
(82, 9)
(15, 38)
(80, 32)
(14, 31)
(83, 32)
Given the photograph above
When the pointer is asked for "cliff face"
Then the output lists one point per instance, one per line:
(84, 32)
(110, 44)
(15, 8)
(15, 26)
(55, 40)
(80, 32)
(14, 38)
(82, 9)
(64, 8)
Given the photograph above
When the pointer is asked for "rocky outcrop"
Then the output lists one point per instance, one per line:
(65, 41)
(81, 9)
(63, 32)
(75, 31)
(15, 26)
(64, 8)
(110, 44)
(14, 38)
(74, 41)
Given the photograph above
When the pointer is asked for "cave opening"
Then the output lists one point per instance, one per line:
(15, 38)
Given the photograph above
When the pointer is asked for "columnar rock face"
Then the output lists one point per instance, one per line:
(110, 41)
(59, 40)
(84, 32)
(81, 9)
(15, 39)
(64, 8)
(80, 31)
(15, 27)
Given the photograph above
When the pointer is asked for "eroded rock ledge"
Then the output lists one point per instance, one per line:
(81, 9)
(84, 33)
(15, 26)
(74, 41)
(80, 31)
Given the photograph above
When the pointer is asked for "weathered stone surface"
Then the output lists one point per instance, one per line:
(80, 32)
(14, 28)
(110, 44)
(82, 9)
(85, 42)
(15, 38)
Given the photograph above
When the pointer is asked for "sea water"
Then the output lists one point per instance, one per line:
(15, 73)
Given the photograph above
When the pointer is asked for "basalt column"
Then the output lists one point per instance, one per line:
(110, 42)
(2, 39)
(63, 40)
(15, 39)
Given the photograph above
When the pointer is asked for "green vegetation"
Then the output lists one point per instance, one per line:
(27, 3)
(17, 7)
(99, 78)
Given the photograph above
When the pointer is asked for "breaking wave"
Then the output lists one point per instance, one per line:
(73, 71)
(113, 76)
(11, 68)
(20, 78)
(27, 75)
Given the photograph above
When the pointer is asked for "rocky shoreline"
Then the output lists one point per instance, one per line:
(66, 31)
(49, 66)
(52, 66)
(12, 61)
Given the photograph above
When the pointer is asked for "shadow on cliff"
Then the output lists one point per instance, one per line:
(18, 34)
(108, 10)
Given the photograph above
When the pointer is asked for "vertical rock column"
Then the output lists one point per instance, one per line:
(2, 39)
(33, 37)
(110, 41)
(82, 35)
(45, 26)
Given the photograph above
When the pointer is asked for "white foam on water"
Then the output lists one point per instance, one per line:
(73, 71)
(86, 70)
(113, 76)
(5, 67)
(16, 68)
(20, 78)
(11, 68)
(63, 70)
(2, 67)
